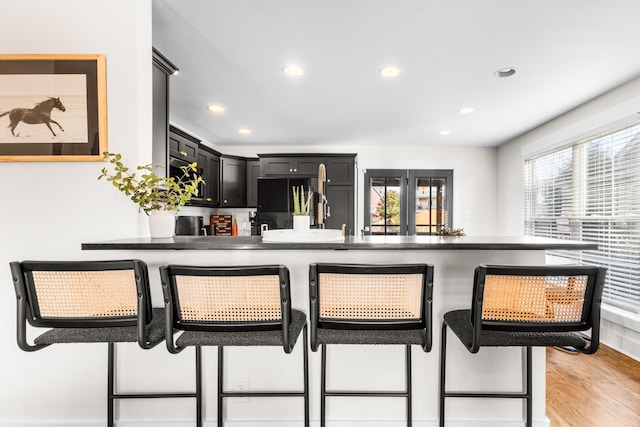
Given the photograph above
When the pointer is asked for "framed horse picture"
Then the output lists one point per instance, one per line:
(53, 108)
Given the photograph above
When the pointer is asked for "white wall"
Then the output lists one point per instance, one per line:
(618, 104)
(49, 209)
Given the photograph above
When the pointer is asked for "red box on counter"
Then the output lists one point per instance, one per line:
(222, 224)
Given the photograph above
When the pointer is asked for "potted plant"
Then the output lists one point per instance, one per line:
(301, 203)
(156, 196)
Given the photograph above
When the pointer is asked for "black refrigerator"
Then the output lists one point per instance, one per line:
(275, 201)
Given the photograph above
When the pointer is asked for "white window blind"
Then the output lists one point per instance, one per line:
(590, 191)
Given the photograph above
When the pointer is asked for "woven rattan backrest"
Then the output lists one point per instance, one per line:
(382, 297)
(547, 299)
(228, 299)
(83, 294)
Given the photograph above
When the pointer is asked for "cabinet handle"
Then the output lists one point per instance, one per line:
(184, 153)
(295, 170)
(226, 201)
(328, 180)
(209, 199)
(290, 170)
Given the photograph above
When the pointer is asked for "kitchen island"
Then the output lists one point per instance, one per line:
(454, 260)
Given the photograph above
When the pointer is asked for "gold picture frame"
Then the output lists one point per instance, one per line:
(53, 108)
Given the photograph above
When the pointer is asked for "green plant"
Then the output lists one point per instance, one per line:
(443, 231)
(149, 191)
(300, 202)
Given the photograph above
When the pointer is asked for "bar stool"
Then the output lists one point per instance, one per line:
(233, 306)
(91, 302)
(370, 304)
(525, 306)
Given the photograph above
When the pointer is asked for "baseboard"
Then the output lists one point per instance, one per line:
(416, 423)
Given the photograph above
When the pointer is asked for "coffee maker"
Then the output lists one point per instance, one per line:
(253, 222)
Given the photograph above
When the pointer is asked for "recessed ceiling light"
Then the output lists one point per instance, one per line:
(244, 131)
(216, 108)
(445, 132)
(466, 110)
(293, 71)
(505, 72)
(390, 72)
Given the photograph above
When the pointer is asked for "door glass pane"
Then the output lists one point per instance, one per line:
(384, 208)
(430, 209)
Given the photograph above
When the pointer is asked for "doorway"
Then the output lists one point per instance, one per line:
(407, 202)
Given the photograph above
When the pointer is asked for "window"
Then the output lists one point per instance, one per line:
(405, 202)
(590, 191)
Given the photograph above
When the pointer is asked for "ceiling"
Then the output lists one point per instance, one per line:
(233, 52)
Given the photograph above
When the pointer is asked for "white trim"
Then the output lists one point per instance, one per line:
(400, 423)
(621, 317)
(554, 141)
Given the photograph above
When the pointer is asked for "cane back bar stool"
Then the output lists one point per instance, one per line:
(234, 306)
(526, 306)
(370, 304)
(91, 302)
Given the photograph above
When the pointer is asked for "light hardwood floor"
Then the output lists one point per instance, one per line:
(602, 389)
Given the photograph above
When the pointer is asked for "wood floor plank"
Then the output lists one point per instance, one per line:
(602, 389)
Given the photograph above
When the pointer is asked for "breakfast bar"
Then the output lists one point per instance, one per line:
(454, 260)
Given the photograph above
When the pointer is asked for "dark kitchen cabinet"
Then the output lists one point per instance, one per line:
(209, 168)
(289, 166)
(160, 155)
(340, 170)
(162, 71)
(341, 206)
(182, 146)
(234, 182)
(339, 187)
(253, 172)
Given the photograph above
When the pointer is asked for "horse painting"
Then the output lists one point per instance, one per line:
(41, 113)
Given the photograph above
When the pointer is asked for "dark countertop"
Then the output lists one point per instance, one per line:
(350, 243)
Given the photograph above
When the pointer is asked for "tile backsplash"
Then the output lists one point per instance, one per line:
(241, 215)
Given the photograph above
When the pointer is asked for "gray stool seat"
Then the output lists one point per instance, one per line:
(244, 338)
(459, 321)
(154, 333)
(372, 337)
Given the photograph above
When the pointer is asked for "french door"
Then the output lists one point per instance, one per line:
(407, 202)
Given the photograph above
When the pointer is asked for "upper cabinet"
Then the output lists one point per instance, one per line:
(182, 145)
(162, 70)
(339, 167)
(280, 165)
(209, 167)
(253, 173)
(340, 170)
(234, 182)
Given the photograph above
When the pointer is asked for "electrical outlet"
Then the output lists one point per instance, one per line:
(240, 384)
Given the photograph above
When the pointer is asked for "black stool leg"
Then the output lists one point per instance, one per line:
(529, 387)
(305, 363)
(110, 383)
(220, 382)
(323, 385)
(443, 354)
(408, 382)
(199, 386)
